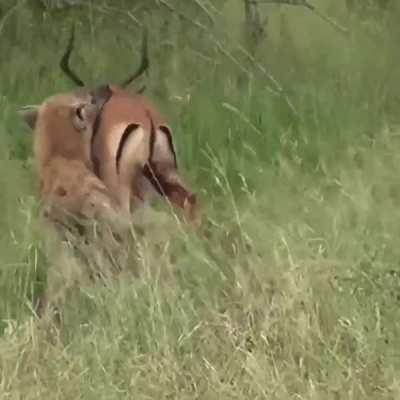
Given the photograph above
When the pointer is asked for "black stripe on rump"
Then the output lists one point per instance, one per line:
(152, 134)
(127, 132)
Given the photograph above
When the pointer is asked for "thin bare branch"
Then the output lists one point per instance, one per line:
(181, 15)
(306, 4)
(8, 14)
(277, 87)
(130, 14)
(242, 116)
(200, 4)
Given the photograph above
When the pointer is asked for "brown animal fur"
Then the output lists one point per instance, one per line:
(154, 148)
(133, 151)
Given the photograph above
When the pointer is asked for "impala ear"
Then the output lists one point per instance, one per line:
(29, 114)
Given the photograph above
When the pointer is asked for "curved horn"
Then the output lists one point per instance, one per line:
(64, 63)
(144, 64)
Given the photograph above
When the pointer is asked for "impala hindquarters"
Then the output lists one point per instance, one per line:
(132, 145)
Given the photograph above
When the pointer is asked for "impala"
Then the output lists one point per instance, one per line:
(129, 129)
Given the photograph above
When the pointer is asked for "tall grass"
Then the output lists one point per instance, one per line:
(291, 289)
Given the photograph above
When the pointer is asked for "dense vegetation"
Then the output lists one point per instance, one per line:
(291, 289)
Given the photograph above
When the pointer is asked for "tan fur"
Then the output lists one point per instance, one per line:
(62, 150)
(63, 128)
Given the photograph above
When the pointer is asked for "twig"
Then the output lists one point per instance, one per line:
(242, 116)
(181, 15)
(306, 4)
(206, 30)
(203, 56)
(215, 9)
(8, 14)
(130, 14)
(205, 10)
(278, 88)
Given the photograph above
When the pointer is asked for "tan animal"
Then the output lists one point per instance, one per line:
(63, 127)
(130, 129)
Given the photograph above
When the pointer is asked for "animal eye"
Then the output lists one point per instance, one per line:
(79, 113)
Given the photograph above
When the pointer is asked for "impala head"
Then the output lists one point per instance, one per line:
(62, 121)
